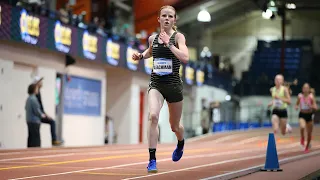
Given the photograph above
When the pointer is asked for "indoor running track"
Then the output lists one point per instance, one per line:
(205, 157)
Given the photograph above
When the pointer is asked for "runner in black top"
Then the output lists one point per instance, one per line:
(167, 49)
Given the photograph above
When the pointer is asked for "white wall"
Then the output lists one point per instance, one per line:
(16, 78)
(46, 64)
(141, 82)
(123, 94)
(79, 130)
(118, 97)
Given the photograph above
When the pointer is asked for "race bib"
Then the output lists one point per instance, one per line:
(162, 66)
(304, 106)
(278, 103)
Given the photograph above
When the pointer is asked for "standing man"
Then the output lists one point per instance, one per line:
(205, 121)
(46, 119)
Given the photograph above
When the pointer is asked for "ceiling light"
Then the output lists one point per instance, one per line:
(290, 6)
(272, 3)
(204, 16)
(267, 14)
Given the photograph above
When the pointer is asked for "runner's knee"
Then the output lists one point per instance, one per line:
(154, 117)
(175, 128)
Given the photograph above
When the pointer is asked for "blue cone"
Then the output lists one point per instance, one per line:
(272, 163)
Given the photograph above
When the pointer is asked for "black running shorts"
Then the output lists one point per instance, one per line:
(306, 116)
(281, 113)
(171, 93)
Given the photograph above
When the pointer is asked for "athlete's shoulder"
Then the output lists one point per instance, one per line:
(152, 37)
(311, 95)
(285, 88)
(179, 35)
(299, 95)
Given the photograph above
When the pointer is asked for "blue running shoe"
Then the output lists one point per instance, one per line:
(177, 154)
(152, 166)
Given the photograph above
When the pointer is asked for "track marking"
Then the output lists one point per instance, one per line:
(110, 174)
(211, 164)
(99, 159)
(44, 160)
(290, 146)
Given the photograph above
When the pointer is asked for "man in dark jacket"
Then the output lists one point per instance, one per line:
(47, 119)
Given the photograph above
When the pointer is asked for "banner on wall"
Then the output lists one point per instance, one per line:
(29, 27)
(89, 45)
(113, 52)
(199, 77)
(189, 75)
(148, 65)
(82, 96)
(62, 37)
(181, 71)
(131, 64)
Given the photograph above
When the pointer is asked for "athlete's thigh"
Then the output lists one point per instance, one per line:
(175, 112)
(309, 126)
(155, 101)
(302, 123)
(275, 118)
(283, 122)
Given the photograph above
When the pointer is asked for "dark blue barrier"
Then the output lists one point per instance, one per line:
(217, 127)
(267, 124)
(224, 126)
(243, 126)
(230, 126)
(254, 125)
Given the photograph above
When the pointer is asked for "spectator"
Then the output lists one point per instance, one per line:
(46, 119)
(65, 13)
(33, 117)
(205, 123)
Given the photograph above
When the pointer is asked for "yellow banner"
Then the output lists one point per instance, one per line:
(113, 50)
(130, 52)
(90, 42)
(62, 34)
(29, 24)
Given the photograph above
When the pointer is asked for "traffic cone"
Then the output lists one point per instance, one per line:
(272, 163)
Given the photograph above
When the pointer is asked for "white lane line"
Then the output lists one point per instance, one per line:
(290, 146)
(208, 165)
